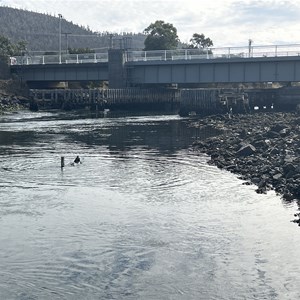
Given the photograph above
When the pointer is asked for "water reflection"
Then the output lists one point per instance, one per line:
(162, 135)
(119, 134)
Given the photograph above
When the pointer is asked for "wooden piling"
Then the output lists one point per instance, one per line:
(62, 161)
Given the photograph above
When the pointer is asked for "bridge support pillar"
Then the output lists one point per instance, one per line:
(116, 69)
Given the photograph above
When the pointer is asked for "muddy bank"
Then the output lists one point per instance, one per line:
(263, 148)
(12, 96)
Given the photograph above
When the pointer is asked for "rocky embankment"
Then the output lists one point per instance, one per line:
(11, 97)
(263, 148)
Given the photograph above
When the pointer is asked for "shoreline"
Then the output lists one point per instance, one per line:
(11, 97)
(262, 148)
(9, 105)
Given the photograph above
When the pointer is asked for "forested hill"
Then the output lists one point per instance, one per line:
(41, 32)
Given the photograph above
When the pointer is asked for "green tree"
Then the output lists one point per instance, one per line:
(6, 46)
(161, 36)
(19, 48)
(199, 41)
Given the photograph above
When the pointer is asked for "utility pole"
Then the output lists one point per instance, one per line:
(59, 38)
(250, 47)
(67, 40)
(111, 41)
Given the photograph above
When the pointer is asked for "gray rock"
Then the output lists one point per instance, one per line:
(246, 150)
(272, 134)
(260, 144)
(278, 127)
(275, 151)
(289, 167)
(277, 176)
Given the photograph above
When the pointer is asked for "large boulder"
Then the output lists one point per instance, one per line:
(246, 150)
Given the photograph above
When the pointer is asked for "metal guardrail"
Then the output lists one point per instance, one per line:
(59, 59)
(211, 53)
(164, 55)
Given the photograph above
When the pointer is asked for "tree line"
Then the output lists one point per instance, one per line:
(163, 36)
(41, 32)
(23, 31)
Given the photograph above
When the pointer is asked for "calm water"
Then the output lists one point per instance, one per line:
(143, 217)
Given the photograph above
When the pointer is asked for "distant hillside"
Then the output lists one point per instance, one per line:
(41, 32)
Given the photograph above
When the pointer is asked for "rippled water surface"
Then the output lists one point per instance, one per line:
(143, 217)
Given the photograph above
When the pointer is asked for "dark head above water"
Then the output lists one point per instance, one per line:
(77, 160)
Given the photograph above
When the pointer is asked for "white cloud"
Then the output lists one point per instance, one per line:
(226, 22)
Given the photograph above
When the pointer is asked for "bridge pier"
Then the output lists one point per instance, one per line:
(116, 69)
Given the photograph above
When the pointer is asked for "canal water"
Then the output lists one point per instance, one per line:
(143, 217)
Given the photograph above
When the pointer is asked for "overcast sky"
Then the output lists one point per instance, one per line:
(226, 22)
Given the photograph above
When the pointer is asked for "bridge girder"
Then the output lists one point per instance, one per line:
(234, 70)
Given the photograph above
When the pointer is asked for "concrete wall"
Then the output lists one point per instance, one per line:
(116, 70)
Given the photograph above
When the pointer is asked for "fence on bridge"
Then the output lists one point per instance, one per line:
(161, 55)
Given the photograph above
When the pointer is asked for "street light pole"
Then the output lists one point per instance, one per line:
(59, 40)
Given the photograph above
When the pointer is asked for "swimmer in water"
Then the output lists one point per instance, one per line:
(77, 160)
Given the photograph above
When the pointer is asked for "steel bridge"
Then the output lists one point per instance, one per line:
(276, 63)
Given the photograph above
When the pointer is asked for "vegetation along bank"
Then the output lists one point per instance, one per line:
(12, 96)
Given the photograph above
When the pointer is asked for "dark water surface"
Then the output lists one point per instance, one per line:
(143, 217)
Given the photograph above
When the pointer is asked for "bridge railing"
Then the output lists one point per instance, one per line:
(211, 53)
(164, 55)
(59, 59)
